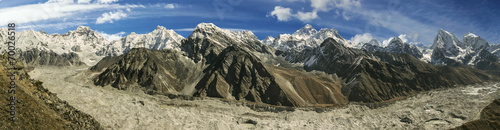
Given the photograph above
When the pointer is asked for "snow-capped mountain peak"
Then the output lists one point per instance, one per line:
(446, 40)
(375, 42)
(396, 41)
(305, 31)
(83, 28)
(211, 31)
(474, 42)
(306, 37)
(160, 38)
(268, 40)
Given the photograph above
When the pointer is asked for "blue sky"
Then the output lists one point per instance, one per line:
(416, 21)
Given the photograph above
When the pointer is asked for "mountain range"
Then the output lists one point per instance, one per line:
(306, 68)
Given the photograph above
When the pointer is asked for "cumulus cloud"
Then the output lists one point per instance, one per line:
(61, 1)
(84, 1)
(363, 38)
(283, 14)
(112, 37)
(110, 16)
(407, 38)
(107, 1)
(403, 37)
(306, 16)
(165, 5)
(386, 42)
(170, 6)
(52, 10)
(318, 6)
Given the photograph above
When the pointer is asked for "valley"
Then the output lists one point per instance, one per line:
(133, 109)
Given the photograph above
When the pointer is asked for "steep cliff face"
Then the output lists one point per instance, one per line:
(165, 71)
(36, 107)
(239, 75)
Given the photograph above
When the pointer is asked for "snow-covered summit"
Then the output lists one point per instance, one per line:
(306, 37)
(268, 40)
(222, 36)
(160, 38)
(375, 42)
(83, 41)
(306, 31)
(474, 42)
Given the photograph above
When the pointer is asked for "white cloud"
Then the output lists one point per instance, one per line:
(318, 6)
(363, 38)
(283, 14)
(112, 37)
(403, 37)
(51, 11)
(170, 6)
(307, 16)
(386, 42)
(110, 16)
(107, 1)
(290, 0)
(61, 1)
(84, 1)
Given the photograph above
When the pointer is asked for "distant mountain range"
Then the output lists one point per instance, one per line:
(306, 68)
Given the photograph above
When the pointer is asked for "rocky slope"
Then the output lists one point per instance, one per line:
(489, 119)
(36, 107)
(162, 71)
(237, 74)
(380, 76)
(241, 76)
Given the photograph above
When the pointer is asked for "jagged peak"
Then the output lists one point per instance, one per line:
(158, 27)
(376, 42)
(306, 30)
(470, 35)
(446, 39)
(206, 26)
(396, 39)
(308, 26)
(83, 28)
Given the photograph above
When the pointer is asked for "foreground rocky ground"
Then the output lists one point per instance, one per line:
(132, 109)
(35, 107)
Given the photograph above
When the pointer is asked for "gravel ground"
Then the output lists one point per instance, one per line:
(116, 109)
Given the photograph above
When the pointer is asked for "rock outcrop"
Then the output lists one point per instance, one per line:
(489, 119)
